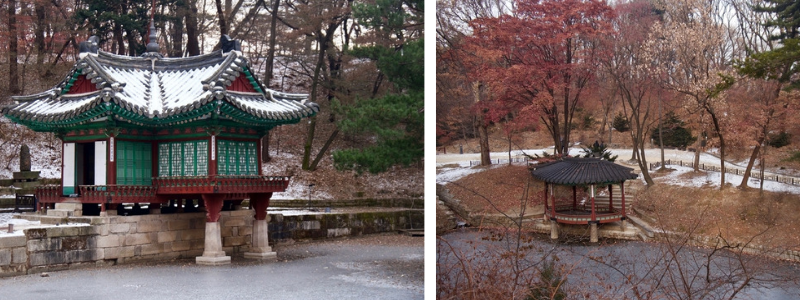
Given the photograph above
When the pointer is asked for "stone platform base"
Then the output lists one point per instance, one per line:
(213, 261)
(266, 256)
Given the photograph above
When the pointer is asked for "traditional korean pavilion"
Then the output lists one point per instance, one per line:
(582, 173)
(152, 129)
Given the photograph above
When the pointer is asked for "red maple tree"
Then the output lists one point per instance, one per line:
(540, 58)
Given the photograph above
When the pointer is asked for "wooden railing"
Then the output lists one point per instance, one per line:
(117, 193)
(523, 159)
(220, 184)
(48, 193)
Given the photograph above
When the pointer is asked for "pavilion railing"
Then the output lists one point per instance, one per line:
(117, 193)
(598, 208)
(601, 215)
(221, 184)
(48, 193)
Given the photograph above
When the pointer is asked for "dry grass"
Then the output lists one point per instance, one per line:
(738, 215)
(496, 189)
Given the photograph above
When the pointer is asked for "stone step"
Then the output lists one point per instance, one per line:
(62, 213)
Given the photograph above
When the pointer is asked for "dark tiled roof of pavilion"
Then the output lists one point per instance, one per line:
(582, 171)
(156, 91)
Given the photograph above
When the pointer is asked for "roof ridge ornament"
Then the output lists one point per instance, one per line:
(227, 44)
(152, 44)
(89, 46)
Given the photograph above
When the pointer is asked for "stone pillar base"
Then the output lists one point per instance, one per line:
(553, 229)
(260, 248)
(624, 224)
(212, 253)
(593, 234)
(266, 256)
(212, 261)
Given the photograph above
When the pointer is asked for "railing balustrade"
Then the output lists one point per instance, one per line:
(222, 184)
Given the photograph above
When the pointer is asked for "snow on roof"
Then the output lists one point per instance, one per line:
(157, 88)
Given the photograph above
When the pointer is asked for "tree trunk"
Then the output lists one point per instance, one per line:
(265, 148)
(635, 147)
(177, 30)
(13, 73)
(272, 38)
(323, 45)
(118, 36)
(718, 130)
(39, 41)
(509, 149)
(192, 44)
(697, 151)
(131, 43)
(567, 113)
(323, 150)
(223, 24)
(750, 163)
(483, 138)
(644, 167)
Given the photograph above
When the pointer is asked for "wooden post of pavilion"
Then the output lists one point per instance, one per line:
(259, 247)
(553, 220)
(593, 222)
(212, 252)
(624, 216)
(545, 200)
(574, 198)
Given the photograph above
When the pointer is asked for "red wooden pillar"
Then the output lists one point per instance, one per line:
(61, 182)
(212, 155)
(545, 197)
(610, 198)
(574, 198)
(258, 154)
(212, 251)
(111, 166)
(553, 197)
(260, 203)
(213, 204)
(594, 216)
(260, 248)
(622, 190)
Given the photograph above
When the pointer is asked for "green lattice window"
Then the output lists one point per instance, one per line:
(134, 163)
(183, 158)
(237, 158)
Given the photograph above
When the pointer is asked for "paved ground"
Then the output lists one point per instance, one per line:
(371, 267)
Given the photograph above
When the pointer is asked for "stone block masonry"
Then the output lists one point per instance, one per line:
(97, 241)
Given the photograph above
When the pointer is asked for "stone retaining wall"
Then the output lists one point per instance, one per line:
(98, 241)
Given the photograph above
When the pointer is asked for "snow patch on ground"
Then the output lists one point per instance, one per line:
(446, 175)
(712, 179)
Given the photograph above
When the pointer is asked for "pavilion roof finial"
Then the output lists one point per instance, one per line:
(152, 45)
(152, 39)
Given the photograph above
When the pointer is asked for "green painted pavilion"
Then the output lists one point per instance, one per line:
(152, 130)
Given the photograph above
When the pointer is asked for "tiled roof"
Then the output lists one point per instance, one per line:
(582, 171)
(154, 89)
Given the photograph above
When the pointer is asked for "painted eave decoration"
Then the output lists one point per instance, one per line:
(153, 91)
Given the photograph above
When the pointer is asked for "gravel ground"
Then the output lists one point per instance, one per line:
(372, 267)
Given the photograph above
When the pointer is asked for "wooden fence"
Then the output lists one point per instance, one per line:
(500, 161)
(753, 174)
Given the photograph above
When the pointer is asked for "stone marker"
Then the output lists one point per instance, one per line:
(24, 159)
